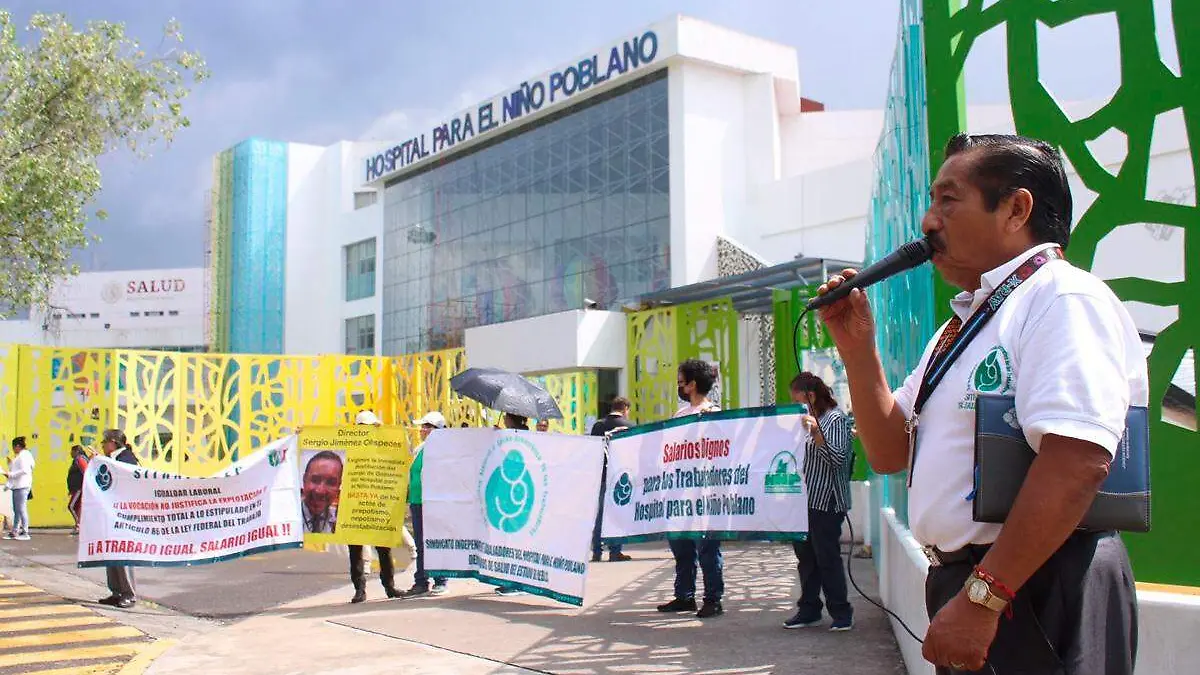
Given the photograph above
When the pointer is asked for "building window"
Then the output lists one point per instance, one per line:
(364, 199)
(360, 270)
(135, 314)
(94, 315)
(152, 314)
(173, 312)
(360, 335)
(539, 220)
(76, 315)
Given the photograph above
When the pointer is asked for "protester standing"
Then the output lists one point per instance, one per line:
(516, 423)
(358, 573)
(695, 379)
(827, 460)
(615, 419)
(432, 420)
(120, 578)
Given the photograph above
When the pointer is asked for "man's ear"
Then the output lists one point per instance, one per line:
(1018, 209)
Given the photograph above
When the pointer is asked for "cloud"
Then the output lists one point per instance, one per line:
(404, 123)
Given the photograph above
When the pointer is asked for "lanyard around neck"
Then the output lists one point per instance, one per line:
(946, 354)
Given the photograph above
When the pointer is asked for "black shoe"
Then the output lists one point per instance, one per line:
(679, 605)
(391, 592)
(842, 625)
(710, 609)
(619, 557)
(111, 600)
(802, 619)
(416, 591)
(125, 603)
(359, 596)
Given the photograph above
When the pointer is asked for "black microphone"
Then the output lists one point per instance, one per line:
(906, 257)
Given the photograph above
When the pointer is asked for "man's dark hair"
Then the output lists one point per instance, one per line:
(19, 442)
(323, 455)
(700, 372)
(512, 421)
(620, 403)
(1006, 163)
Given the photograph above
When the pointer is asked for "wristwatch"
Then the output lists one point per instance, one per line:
(979, 591)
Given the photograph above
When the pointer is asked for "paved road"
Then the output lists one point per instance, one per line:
(41, 633)
(226, 592)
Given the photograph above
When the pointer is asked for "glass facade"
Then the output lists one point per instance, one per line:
(573, 208)
(360, 270)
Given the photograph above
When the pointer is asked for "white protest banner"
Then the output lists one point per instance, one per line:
(736, 474)
(133, 515)
(512, 508)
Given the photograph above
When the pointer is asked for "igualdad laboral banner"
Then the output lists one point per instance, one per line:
(135, 515)
(512, 508)
(736, 474)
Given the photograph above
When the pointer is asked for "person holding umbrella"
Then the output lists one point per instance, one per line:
(516, 397)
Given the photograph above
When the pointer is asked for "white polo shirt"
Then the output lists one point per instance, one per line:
(1063, 345)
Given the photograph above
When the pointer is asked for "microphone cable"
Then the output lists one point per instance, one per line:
(864, 596)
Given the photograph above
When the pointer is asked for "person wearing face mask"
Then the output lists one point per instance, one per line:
(827, 463)
(432, 420)
(695, 379)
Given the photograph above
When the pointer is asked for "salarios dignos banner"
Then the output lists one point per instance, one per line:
(736, 474)
(354, 484)
(137, 516)
(512, 508)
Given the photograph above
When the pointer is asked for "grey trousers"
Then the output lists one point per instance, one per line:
(120, 581)
(1077, 615)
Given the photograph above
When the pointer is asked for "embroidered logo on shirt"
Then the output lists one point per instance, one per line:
(993, 375)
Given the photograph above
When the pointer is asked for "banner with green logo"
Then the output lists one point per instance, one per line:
(737, 474)
(139, 516)
(512, 508)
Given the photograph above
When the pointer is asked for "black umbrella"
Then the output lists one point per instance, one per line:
(506, 392)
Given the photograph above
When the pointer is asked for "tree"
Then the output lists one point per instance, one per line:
(66, 98)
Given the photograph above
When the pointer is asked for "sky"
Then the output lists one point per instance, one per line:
(319, 71)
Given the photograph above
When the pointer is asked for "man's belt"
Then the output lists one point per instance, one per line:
(969, 554)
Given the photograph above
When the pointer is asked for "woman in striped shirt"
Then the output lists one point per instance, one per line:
(827, 462)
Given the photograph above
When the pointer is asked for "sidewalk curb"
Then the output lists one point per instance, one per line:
(139, 663)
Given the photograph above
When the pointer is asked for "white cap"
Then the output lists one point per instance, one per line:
(367, 417)
(434, 418)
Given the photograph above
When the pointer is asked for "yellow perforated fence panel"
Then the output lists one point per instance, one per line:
(196, 413)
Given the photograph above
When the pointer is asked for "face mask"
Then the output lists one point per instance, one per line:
(683, 396)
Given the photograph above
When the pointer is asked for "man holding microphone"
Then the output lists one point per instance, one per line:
(1034, 594)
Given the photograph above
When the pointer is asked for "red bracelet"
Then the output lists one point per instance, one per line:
(995, 583)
